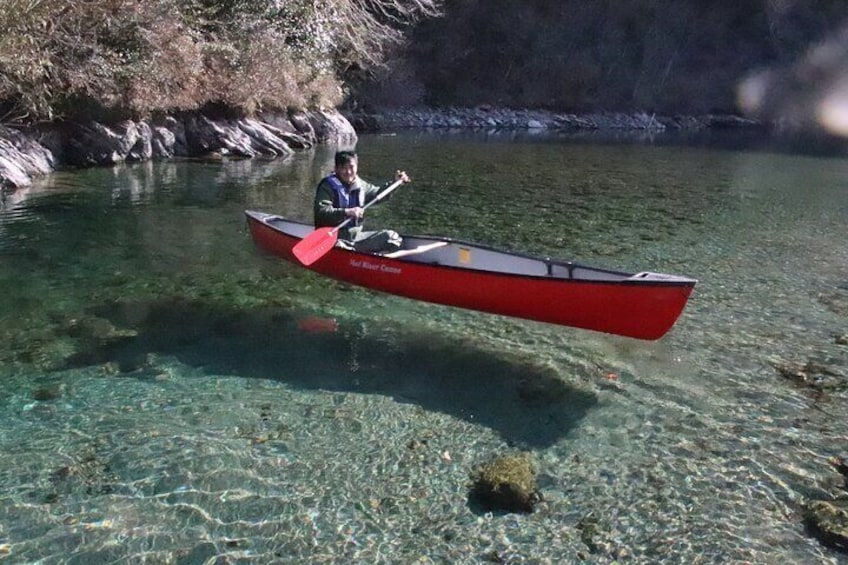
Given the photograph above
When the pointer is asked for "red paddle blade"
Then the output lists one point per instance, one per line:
(315, 245)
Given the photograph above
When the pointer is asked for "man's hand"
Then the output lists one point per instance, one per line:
(355, 213)
(402, 176)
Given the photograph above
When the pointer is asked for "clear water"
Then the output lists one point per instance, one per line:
(171, 395)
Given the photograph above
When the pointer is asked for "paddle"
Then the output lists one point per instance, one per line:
(319, 242)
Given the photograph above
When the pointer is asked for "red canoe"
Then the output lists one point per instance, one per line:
(456, 273)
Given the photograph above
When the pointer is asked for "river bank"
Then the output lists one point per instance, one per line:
(27, 153)
(490, 118)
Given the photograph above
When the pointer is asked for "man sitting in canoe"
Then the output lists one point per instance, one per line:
(342, 195)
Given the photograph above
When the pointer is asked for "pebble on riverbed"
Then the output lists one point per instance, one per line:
(814, 375)
(506, 483)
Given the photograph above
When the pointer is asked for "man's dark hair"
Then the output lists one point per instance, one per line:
(345, 157)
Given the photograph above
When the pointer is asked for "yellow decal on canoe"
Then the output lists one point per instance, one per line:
(464, 255)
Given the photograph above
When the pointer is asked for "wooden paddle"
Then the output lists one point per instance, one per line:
(319, 242)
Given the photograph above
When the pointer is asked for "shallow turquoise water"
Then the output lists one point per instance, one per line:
(172, 395)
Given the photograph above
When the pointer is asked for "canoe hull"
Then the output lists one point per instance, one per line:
(640, 309)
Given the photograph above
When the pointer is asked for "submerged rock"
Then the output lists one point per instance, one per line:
(828, 521)
(841, 466)
(837, 301)
(507, 483)
(47, 393)
(94, 328)
(86, 473)
(814, 375)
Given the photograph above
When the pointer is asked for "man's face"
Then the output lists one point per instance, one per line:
(347, 171)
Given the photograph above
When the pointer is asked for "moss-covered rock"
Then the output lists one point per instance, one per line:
(506, 483)
(828, 521)
(96, 329)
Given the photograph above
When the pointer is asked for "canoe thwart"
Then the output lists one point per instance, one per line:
(651, 276)
(415, 250)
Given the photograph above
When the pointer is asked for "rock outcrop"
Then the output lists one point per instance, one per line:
(28, 153)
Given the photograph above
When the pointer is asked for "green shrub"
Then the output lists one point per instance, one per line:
(131, 58)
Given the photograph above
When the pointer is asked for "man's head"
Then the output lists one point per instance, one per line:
(346, 166)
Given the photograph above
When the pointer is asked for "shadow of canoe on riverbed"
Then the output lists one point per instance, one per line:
(529, 405)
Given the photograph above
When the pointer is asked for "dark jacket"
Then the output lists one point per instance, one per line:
(332, 197)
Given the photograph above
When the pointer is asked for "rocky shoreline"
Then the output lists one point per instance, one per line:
(28, 153)
(489, 118)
